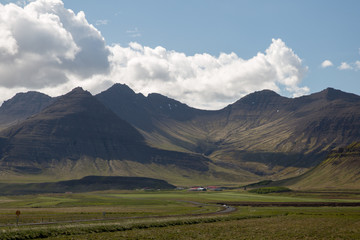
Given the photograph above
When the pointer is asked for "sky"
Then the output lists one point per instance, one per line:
(205, 53)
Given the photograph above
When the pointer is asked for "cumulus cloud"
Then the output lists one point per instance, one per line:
(355, 66)
(345, 66)
(326, 63)
(43, 44)
(207, 81)
(45, 47)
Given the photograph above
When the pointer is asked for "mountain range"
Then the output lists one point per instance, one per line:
(119, 132)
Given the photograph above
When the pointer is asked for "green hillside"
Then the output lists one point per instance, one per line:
(340, 170)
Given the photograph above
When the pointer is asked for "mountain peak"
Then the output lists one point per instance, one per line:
(119, 93)
(332, 94)
(23, 105)
(78, 91)
(265, 93)
(258, 97)
(74, 101)
(24, 97)
(123, 88)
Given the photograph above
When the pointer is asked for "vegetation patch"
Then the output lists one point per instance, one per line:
(177, 215)
(280, 227)
(81, 229)
(266, 190)
(86, 184)
(246, 223)
(259, 184)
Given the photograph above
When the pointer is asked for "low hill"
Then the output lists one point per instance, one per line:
(340, 170)
(86, 184)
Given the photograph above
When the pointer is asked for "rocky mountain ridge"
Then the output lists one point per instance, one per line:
(77, 126)
(261, 135)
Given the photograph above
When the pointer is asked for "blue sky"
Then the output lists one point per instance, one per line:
(315, 30)
(307, 32)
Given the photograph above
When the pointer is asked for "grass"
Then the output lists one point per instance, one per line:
(162, 198)
(340, 170)
(123, 209)
(170, 173)
(246, 223)
(68, 207)
(277, 227)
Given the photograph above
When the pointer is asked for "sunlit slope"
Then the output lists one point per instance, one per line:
(277, 133)
(340, 170)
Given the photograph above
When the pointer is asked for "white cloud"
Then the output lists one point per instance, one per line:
(8, 44)
(207, 81)
(345, 66)
(355, 66)
(326, 63)
(48, 48)
(45, 45)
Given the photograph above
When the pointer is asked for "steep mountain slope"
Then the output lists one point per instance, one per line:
(263, 132)
(141, 111)
(75, 124)
(21, 106)
(153, 115)
(262, 135)
(78, 135)
(340, 170)
(128, 105)
(267, 128)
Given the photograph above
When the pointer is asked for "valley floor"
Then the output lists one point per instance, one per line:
(179, 215)
(320, 226)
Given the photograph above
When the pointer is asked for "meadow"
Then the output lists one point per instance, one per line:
(177, 215)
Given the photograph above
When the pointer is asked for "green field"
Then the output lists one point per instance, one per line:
(177, 215)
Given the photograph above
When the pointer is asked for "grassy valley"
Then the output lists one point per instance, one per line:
(171, 120)
(175, 214)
